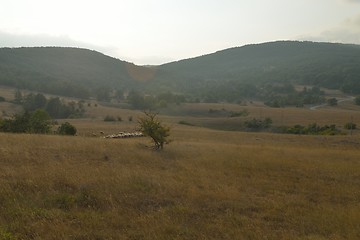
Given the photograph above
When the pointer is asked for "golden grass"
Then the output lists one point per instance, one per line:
(198, 115)
(205, 185)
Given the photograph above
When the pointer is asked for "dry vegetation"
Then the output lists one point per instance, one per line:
(206, 184)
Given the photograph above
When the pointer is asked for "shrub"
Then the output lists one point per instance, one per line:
(314, 129)
(350, 125)
(36, 122)
(150, 126)
(66, 129)
(257, 124)
(182, 122)
(297, 129)
(242, 113)
(109, 118)
(39, 122)
(357, 100)
(332, 101)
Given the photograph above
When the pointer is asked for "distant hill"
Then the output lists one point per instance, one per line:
(230, 75)
(328, 65)
(66, 71)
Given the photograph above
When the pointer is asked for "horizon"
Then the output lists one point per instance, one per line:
(158, 31)
(186, 58)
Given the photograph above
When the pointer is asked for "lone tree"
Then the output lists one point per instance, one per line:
(150, 126)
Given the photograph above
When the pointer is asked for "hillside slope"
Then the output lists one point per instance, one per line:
(65, 71)
(240, 71)
(323, 64)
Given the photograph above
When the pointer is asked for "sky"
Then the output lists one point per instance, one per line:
(151, 32)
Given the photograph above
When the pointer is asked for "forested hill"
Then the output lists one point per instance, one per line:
(66, 71)
(231, 75)
(321, 64)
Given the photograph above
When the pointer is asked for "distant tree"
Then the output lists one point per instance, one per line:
(39, 122)
(18, 97)
(53, 107)
(357, 100)
(140, 101)
(103, 94)
(332, 101)
(119, 94)
(350, 126)
(150, 126)
(2, 99)
(40, 100)
(66, 129)
(109, 118)
(31, 102)
(257, 124)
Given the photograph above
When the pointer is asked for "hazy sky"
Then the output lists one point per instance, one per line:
(158, 31)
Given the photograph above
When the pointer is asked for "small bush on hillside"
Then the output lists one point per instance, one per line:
(242, 113)
(2, 99)
(257, 124)
(109, 118)
(357, 100)
(66, 129)
(314, 129)
(332, 102)
(350, 125)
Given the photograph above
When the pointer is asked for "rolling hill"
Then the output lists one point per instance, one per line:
(240, 71)
(66, 71)
(327, 65)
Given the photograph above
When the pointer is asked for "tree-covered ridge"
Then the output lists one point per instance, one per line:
(327, 65)
(64, 71)
(267, 72)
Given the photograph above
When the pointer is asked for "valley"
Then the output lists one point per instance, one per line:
(276, 163)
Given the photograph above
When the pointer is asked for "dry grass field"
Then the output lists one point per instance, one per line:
(206, 184)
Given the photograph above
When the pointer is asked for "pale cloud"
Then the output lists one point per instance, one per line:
(36, 40)
(43, 40)
(346, 32)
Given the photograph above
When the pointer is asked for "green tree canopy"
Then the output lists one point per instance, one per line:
(150, 126)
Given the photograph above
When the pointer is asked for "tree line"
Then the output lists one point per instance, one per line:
(54, 106)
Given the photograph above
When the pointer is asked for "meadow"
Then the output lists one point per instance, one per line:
(206, 184)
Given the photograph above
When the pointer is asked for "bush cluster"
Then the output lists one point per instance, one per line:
(67, 129)
(38, 121)
(258, 124)
(314, 129)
